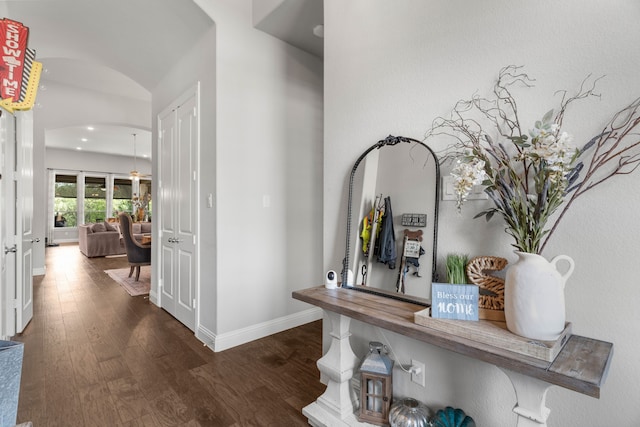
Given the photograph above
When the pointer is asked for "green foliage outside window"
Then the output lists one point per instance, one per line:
(122, 195)
(94, 210)
(95, 203)
(95, 199)
(65, 204)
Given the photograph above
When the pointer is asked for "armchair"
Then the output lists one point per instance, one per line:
(137, 253)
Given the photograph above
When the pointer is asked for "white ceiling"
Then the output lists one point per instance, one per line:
(125, 47)
(109, 139)
(116, 47)
(141, 39)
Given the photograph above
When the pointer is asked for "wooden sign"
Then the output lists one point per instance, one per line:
(414, 220)
(458, 302)
(411, 248)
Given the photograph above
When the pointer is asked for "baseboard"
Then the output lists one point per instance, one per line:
(242, 336)
(153, 296)
(40, 271)
(207, 337)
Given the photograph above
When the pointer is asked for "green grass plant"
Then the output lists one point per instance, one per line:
(456, 268)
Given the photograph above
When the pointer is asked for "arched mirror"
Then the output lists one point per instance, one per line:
(392, 220)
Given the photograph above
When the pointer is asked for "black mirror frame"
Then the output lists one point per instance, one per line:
(390, 141)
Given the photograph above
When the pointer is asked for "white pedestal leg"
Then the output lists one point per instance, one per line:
(334, 406)
(531, 394)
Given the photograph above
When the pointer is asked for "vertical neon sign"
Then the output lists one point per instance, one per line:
(13, 45)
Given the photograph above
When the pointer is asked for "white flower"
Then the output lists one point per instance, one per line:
(467, 174)
(555, 152)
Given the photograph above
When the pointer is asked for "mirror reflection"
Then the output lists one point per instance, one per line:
(392, 220)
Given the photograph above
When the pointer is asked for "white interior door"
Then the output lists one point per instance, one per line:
(16, 290)
(24, 213)
(166, 209)
(177, 186)
(7, 226)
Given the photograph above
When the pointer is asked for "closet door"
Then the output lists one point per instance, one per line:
(177, 188)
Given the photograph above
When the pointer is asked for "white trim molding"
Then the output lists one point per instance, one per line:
(242, 336)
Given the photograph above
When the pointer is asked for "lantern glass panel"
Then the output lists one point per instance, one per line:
(374, 395)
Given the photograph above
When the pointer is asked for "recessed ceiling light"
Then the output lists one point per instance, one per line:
(78, 148)
(83, 139)
(90, 127)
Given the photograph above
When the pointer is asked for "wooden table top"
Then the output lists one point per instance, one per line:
(582, 364)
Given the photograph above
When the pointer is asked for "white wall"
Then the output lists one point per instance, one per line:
(263, 163)
(198, 65)
(392, 67)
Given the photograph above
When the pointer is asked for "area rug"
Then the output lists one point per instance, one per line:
(141, 287)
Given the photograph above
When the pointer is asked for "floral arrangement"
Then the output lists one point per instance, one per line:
(530, 175)
(140, 205)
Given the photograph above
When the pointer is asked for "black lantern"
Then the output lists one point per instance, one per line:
(375, 385)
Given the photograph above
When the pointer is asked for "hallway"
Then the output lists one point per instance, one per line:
(94, 356)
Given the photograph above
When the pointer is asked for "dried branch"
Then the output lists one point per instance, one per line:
(612, 152)
(616, 151)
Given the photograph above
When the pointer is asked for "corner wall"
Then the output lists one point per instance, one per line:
(261, 158)
(392, 67)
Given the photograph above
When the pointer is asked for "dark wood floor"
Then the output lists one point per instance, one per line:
(94, 356)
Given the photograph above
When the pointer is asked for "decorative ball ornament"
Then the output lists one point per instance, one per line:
(450, 417)
(410, 413)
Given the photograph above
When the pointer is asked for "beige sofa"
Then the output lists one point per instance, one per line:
(100, 239)
(103, 238)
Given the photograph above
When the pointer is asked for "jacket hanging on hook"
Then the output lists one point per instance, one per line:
(385, 246)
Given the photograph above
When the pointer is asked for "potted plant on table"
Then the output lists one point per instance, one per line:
(530, 176)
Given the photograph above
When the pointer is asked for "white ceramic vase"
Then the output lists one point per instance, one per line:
(534, 296)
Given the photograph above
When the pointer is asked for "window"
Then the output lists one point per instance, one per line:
(95, 199)
(65, 204)
(98, 203)
(122, 194)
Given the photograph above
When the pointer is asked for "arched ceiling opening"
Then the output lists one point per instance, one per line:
(101, 52)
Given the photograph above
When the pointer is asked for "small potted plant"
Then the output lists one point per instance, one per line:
(456, 269)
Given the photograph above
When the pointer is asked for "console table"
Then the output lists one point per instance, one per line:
(581, 365)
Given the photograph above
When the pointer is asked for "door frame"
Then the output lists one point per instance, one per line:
(156, 294)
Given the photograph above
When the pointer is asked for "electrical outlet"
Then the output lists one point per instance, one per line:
(417, 378)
